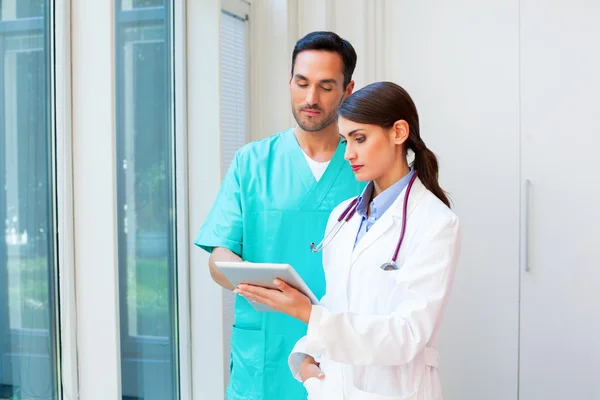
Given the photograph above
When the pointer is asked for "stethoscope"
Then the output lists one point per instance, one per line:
(349, 213)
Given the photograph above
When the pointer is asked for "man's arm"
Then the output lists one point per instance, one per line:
(221, 233)
(221, 254)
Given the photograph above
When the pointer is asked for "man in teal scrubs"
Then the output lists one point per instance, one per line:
(275, 201)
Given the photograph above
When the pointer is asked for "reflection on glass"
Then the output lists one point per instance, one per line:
(28, 328)
(145, 193)
(130, 4)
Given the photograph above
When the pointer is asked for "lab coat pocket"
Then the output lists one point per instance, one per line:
(314, 388)
(247, 363)
(386, 283)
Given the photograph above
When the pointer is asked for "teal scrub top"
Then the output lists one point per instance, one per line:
(269, 209)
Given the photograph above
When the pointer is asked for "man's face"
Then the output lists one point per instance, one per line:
(317, 89)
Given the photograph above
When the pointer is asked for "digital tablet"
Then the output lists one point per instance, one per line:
(263, 274)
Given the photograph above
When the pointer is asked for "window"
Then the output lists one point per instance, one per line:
(234, 111)
(28, 270)
(146, 200)
(234, 86)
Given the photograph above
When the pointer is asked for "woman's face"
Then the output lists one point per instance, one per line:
(372, 151)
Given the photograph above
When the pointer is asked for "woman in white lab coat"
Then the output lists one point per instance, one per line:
(374, 334)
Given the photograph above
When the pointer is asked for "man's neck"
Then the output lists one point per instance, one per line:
(321, 145)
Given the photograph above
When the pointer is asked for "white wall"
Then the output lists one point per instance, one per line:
(272, 39)
(358, 21)
(203, 140)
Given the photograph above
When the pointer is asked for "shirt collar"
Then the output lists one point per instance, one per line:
(381, 203)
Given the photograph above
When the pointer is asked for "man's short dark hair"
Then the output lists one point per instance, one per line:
(328, 41)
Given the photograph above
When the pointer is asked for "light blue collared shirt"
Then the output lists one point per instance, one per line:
(379, 205)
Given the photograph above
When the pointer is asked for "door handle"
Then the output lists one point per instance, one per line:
(525, 209)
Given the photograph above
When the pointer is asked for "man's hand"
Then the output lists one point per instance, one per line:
(309, 368)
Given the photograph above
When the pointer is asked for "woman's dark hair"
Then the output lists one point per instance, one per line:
(384, 103)
(328, 41)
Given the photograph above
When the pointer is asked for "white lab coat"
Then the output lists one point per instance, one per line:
(375, 331)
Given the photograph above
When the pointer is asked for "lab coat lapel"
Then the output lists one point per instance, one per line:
(348, 237)
(343, 255)
(392, 218)
(379, 228)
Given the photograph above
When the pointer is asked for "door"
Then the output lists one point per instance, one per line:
(560, 260)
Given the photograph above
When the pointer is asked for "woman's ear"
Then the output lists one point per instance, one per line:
(400, 131)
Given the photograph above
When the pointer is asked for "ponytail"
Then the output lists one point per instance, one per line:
(426, 165)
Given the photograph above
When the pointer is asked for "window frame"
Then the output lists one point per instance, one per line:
(93, 151)
(61, 58)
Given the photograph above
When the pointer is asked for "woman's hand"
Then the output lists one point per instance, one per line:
(309, 368)
(285, 299)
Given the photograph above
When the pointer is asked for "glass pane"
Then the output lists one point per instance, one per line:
(30, 8)
(147, 3)
(130, 4)
(145, 191)
(28, 302)
(13, 9)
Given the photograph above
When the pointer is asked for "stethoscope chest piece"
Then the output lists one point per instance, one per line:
(389, 266)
